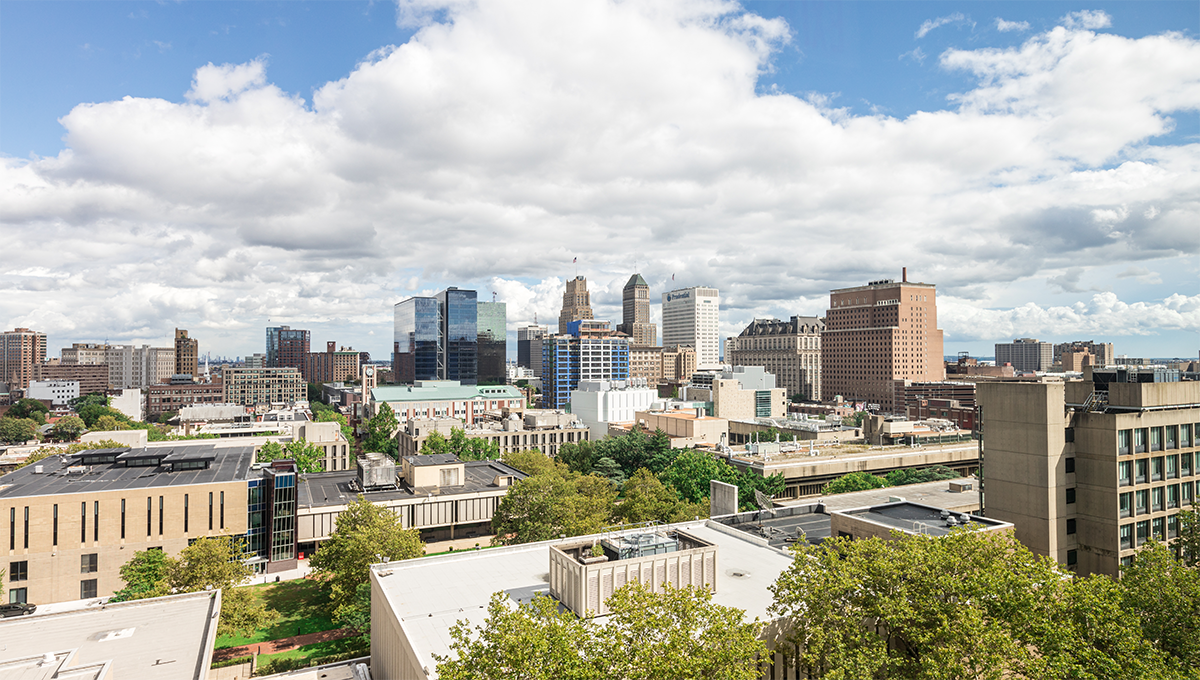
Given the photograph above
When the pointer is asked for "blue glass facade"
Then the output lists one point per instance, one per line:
(492, 323)
(460, 335)
(417, 335)
(567, 360)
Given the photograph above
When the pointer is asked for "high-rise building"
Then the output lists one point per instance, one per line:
(791, 350)
(877, 334)
(529, 347)
(129, 366)
(92, 378)
(1102, 352)
(692, 316)
(332, 365)
(84, 354)
(577, 304)
(1090, 470)
(1025, 354)
(187, 354)
(635, 313)
(287, 347)
(437, 338)
(491, 321)
(589, 352)
(20, 351)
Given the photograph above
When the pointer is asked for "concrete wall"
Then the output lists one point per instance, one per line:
(392, 655)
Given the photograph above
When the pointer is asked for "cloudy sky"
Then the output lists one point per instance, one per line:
(223, 166)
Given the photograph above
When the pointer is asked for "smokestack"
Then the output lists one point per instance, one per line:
(904, 274)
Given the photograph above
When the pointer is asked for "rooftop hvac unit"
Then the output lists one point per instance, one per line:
(376, 471)
(640, 545)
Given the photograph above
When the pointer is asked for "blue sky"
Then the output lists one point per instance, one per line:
(425, 165)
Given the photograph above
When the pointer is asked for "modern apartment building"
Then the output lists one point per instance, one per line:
(332, 365)
(635, 313)
(529, 347)
(790, 350)
(187, 354)
(20, 351)
(692, 316)
(590, 352)
(70, 522)
(1025, 354)
(1090, 470)
(577, 304)
(877, 334)
(437, 338)
(259, 388)
(287, 347)
(492, 328)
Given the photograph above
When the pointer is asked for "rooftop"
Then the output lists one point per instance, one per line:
(922, 519)
(456, 587)
(443, 390)
(228, 461)
(165, 638)
(322, 489)
(432, 459)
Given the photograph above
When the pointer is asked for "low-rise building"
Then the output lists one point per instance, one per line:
(58, 392)
(739, 393)
(445, 399)
(130, 402)
(329, 438)
(542, 430)
(600, 402)
(686, 428)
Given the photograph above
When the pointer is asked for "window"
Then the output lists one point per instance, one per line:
(1127, 561)
(1143, 531)
(1185, 435)
(1125, 473)
(1156, 469)
(160, 515)
(1159, 528)
(1172, 463)
(449, 477)
(18, 571)
(1143, 471)
(12, 528)
(1069, 434)
(1139, 440)
(1185, 464)
(1156, 499)
(1070, 526)
(56, 524)
(1126, 536)
(25, 535)
(1126, 503)
(96, 521)
(122, 519)
(1072, 558)
(83, 522)
(87, 589)
(1070, 496)
(18, 595)
(1172, 436)
(1142, 503)
(88, 563)
(1185, 493)
(1173, 526)
(149, 513)
(1156, 439)
(1173, 496)
(1123, 437)
(210, 506)
(185, 513)
(222, 509)
(1070, 465)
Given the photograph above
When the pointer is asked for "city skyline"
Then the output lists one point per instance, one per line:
(775, 152)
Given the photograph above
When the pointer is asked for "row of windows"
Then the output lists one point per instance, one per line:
(1130, 472)
(1156, 438)
(1146, 501)
(1135, 534)
(217, 513)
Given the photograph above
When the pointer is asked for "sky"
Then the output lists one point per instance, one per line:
(225, 166)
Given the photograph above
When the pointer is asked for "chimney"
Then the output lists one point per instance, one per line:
(904, 274)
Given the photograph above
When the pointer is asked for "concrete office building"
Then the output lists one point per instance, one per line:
(600, 402)
(1090, 470)
(790, 350)
(437, 338)
(589, 352)
(327, 437)
(635, 313)
(529, 347)
(877, 334)
(332, 365)
(492, 328)
(692, 317)
(544, 431)
(262, 388)
(84, 353)
(21, 350)
(287, 347)
(92, 378)
(444, 399)
(577, 304)
(129, 366)
(1101, 351)
(661, 365)
(57, 392)
(1025, 354)
(70, 522)
(187, 354)
(739, 393)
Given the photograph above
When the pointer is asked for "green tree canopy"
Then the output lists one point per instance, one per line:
(67, 428)
(1163, 594)
(365, 534)
(691, 472)
(308, 456)
(145, 575)
(324, 413)
(86, 399)
(25, 408)
(855, 481)
(1188, 543)
(532, 462)
(920, 475)
(578, 456)
(552, 502)
(459, 444)
(211, 562)
(17, 430)
(648, 499)
(380, 432)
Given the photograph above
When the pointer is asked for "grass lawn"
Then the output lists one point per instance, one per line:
(303, 607)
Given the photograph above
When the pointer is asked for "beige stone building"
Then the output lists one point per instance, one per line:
(790, 350)
(544, 431)
(1090, 470)
(339, 454)
(261, 387)
(577, 304)
(187, 354)
(685, 428)
(635, 313)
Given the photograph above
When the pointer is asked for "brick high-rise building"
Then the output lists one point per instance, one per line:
(331, 365)
(577, 304)
(635, 317)
(187, 354)
(790, 350)
(20, 351)
(287, 347)
(877, 334)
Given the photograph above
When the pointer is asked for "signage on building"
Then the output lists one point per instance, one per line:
(679, 296)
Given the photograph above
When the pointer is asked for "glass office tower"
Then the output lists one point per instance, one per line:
(460, 336)
(492, 322)
(418, 344)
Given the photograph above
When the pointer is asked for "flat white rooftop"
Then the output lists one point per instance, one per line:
(429, 595)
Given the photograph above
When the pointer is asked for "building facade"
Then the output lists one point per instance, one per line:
(544, 431)
(437, 338)
(92, 378)
(287, 347)
(187, 354)
(445, 399)
(790, 350)
(171, 397)
(1101, 351)
(877, 334)
(577, 304)
(259, 388)
(635, 313)
(491, 322)
(568, 359)
(84, 353)
(1025, 354)
(1088, 471)
(58, 392)
(600, 402)
(332, 365)
(20, 351)
(692, 317)
(529, 347)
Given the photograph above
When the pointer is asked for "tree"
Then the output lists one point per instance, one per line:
(108, 423)
(308, 457)
(854, 481)
(145, 575)
(17, 430)
(554, 503)
(1188, 543)
(578, 456)
(532, 462)
(357, 616)
(648, 499)
(918, 476)
(1163, 595)
(607, 468)
(67, 428)
(380, 432)
(855, 419)
(242, 613)
(459, 444)
(25, 408)
(86, 399)
(209, 563)
(691, 472)
(327, 414)
(313, 395)
(365, 534)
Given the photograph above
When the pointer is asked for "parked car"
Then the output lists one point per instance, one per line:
(17, 609)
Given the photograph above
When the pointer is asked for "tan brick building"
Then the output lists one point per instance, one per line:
(261, 387)
(187, 354)
(20, 351)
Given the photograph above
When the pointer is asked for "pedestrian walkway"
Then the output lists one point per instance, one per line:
(284, 645)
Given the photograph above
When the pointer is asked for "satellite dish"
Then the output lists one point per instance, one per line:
(764, 502)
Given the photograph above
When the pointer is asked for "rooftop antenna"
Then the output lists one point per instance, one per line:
(493, 296)
(764, 502)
